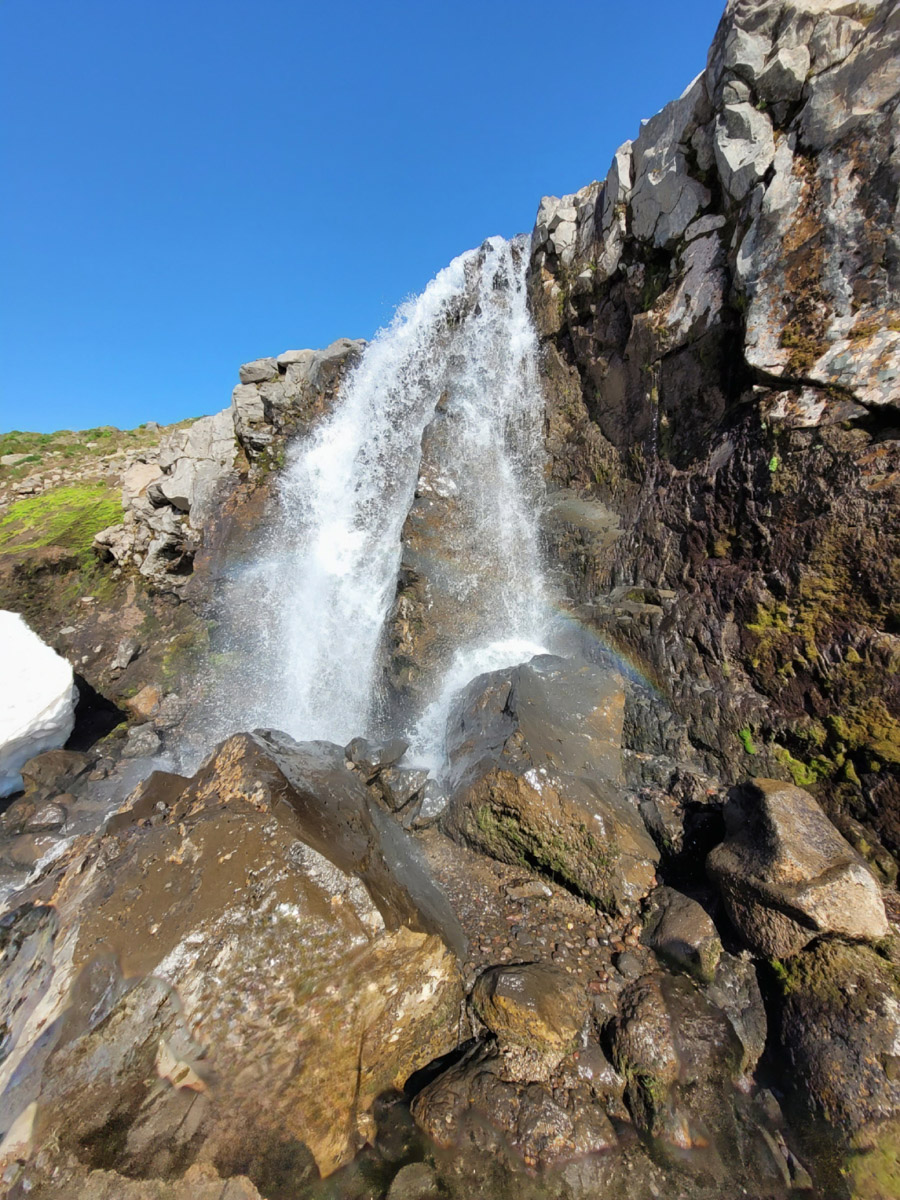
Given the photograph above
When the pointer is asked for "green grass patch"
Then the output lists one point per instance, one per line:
(64, 516)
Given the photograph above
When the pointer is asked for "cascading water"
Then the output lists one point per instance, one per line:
(318, 597)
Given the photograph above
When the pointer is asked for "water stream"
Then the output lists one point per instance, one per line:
(315, 601)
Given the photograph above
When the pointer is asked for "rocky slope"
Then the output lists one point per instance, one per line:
(644, 940)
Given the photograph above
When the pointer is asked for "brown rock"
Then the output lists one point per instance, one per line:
(535, 756)
(258, 976)
(680, 931)
(532, 1005)
(54, 769)
(146, 703)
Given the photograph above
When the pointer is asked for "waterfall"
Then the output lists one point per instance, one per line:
(445, 404)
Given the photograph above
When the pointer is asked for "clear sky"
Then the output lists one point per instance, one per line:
(188, 185)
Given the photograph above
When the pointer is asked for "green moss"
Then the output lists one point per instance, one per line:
(804, 775)
(805, 347)
(184, 652)
(874, 1173)
(868, 727)
(507, 838)
(747, 740)
(64, 516)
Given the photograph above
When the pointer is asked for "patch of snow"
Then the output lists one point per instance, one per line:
(37, 699)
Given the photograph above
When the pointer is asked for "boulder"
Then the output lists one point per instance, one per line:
(735, 990)
(141, 742)
(535, 765)
(222, 991)
(682, 933)
(258, 370)
(62, 1183)
(54, 770)
(839, 1034)
(533, 1005)
(475, 1104)
(787, 876)
(136, 479)
(416, 1181)
(145, 703)
(371, 758)
(675, 1048)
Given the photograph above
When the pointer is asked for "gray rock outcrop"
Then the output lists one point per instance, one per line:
(173, 497)
(276, 397)
(721, 325)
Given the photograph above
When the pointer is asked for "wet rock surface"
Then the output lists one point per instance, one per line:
(535, 778)
(531, 1005)
(190, 949)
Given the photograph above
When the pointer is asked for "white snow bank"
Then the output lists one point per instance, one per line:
(37, 699)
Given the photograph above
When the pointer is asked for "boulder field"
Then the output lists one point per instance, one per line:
(642, 938)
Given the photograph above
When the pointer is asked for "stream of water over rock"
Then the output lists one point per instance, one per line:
(315, 602)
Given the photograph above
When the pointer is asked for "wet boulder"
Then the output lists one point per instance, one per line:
(535, 778)
(678, 1051)
(371, 758)
(235, 969)
(534, 1005)
(735, 989)
(474, 1104)
(787, 876)
(840, 1037)
(682, 933)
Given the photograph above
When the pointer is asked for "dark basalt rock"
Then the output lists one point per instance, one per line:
(840, 1036)
(535, 777)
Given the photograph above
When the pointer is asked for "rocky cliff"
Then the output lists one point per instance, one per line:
(640, 938)
(721, 325)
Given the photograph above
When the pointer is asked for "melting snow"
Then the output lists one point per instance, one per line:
(37, 699)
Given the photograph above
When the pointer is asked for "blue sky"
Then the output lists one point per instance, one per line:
(191, 185)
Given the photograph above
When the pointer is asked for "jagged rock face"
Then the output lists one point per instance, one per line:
(205, 982)
(278, 396)
(535, 776)
(721, 322)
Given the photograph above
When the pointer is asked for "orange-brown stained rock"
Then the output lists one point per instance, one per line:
(533, 1005)
(258, 976)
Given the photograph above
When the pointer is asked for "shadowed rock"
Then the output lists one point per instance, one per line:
(786, 874)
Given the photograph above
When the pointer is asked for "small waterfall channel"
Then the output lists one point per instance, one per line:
(444, 411)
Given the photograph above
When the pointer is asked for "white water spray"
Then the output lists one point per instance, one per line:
(318, 600)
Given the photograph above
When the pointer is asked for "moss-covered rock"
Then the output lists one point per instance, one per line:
(839, 1036)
